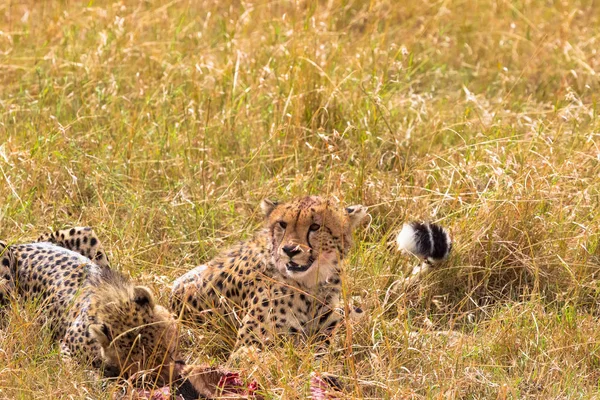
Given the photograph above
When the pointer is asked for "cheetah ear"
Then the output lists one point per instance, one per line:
(101, 333)
(143, 296)
(267, 206)
(356, 214)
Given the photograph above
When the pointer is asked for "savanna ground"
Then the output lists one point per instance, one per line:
(162, 124)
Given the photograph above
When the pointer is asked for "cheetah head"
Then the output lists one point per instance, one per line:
(134, 333)
(309, 237)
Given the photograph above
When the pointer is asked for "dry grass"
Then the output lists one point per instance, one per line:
(163, 123)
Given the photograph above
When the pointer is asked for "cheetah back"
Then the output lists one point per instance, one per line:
(82, 240)
(54, 276)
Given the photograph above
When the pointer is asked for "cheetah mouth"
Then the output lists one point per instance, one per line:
(294, 267)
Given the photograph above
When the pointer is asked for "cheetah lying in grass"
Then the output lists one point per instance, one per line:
(98, 315)
(284, 281)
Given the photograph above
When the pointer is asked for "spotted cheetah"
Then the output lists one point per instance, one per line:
(98, 315)
(286, 280)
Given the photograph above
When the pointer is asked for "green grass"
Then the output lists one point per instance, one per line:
(162, 124)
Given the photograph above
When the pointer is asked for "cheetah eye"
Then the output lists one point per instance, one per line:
(282, 224)
(315, 227)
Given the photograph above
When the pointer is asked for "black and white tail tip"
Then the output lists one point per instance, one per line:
(425, 240)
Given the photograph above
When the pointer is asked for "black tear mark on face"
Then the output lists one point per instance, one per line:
(310, 246)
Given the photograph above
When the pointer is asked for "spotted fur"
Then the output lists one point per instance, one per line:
(286, 280)
(7, 282)
(82, 240)
(97, 314)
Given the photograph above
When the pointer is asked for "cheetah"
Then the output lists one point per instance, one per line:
(97, 314)
(286, 281)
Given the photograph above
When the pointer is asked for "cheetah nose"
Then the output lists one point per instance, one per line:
(291, 250)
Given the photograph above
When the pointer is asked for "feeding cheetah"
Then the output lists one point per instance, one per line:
(96, 313)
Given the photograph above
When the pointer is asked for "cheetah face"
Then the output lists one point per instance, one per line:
(135, 334)
(310, 236)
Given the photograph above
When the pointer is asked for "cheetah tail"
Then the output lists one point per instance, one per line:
(429, 242)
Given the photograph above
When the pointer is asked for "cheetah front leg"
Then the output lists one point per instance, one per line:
(82, 240)
(67, 356)
(258, 328)
(252, 336)
(72, 362)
